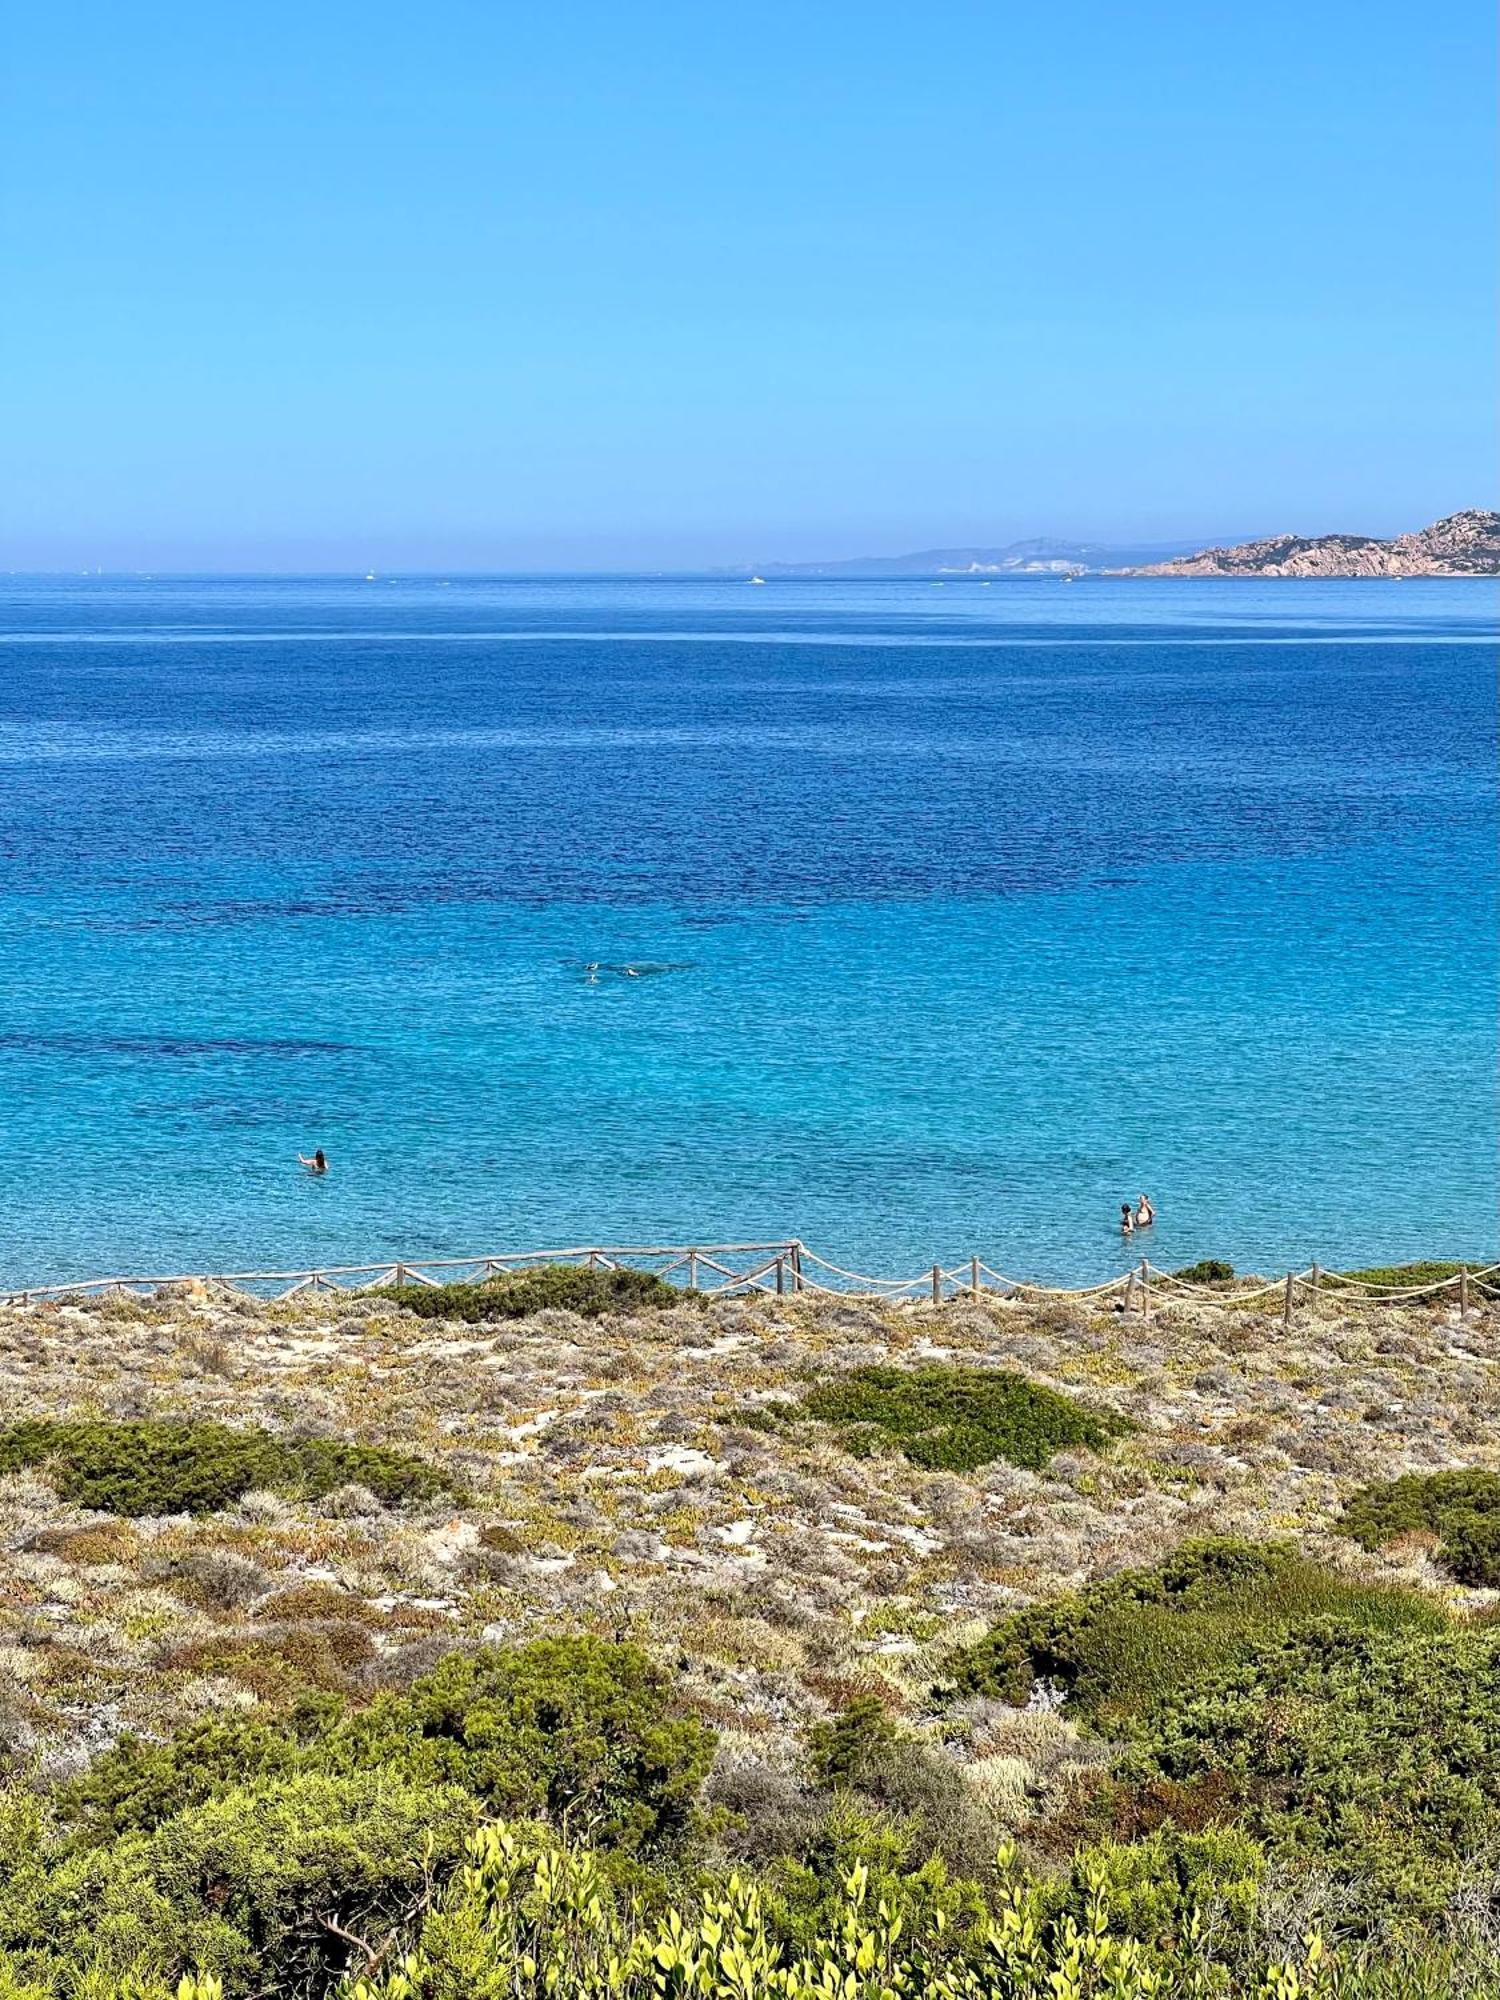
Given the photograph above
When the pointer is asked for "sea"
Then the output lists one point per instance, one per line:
(915, 921)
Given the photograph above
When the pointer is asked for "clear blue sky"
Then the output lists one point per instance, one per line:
(594, 284)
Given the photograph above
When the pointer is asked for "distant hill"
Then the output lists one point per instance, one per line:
(1466, 544)
(1038, 557)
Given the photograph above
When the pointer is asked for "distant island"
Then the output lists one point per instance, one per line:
(1041, 556)
(1466, 544)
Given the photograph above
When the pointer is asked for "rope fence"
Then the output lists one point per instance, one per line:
(720, 1269)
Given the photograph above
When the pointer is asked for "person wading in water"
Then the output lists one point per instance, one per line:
(318, 1164)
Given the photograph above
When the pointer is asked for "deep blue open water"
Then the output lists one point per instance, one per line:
(956, 916)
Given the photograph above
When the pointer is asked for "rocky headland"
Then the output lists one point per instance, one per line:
(1464, 544)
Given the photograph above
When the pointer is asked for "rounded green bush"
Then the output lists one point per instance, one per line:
(137, 1783)
(243, 1884)
(957, 1419)
(579, 1730)
(1119, 1648)
(1461, 1508)
(588, 1291)
(155, 1467)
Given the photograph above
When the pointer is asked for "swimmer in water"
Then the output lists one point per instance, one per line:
(1145, 1214)
(318, 1164)
(1127, 1224)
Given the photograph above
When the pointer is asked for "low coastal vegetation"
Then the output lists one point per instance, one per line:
(957, 1419)
(1114, 1652)
(575, 1730)
(1371, 1754)
(1459, 1513)
(583, 1289)
(356, 1648)
(148, 1467)
(1397, 1277)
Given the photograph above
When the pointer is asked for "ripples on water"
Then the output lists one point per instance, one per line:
(921, 921)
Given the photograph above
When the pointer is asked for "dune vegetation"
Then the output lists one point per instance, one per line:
(576, 1637)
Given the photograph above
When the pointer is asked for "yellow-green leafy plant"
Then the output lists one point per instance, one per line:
(527, 1918)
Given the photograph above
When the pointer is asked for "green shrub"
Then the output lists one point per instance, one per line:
(527, 1920)
(156, 1467)
(1207, 1271)
(579, 1730)
(1121, 1647)
(260, 1878)
(1374, 1750)
(136, 1784)
(1471, 1550)
(1371, 1755)
(278, 1663)
(958, 1418)
(1461, 1508)
(901, 1785)
(846, 1747)
(807, 1891)
(577, 1288)
(1155, 1886)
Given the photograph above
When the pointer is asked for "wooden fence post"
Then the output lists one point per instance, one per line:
(1129, 1289)
(1463, 1291)
(1316, 1274)
(937, 1284)
(1286, 1304)
(692, 1270)
(1145, 1289)
(973, 1277)
(780, 1277)
(796, 1267)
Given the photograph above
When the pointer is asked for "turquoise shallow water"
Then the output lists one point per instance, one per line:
(957, 916)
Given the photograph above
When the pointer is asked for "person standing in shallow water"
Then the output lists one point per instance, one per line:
(318, 1164)
(1145, 1214)
(1127, 1223)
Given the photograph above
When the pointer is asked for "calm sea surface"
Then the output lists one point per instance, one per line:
(956, 916)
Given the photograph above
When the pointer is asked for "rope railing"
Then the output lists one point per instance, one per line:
(778, 1268)
(1186, 1285)
(1341, 1284)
